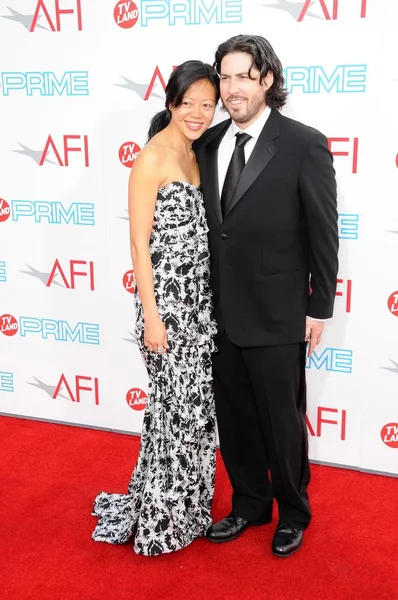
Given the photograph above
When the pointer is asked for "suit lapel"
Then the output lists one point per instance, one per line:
(212, 194)
(263, 152)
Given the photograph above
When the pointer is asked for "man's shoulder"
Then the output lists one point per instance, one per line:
(209, 135)
(300, 130)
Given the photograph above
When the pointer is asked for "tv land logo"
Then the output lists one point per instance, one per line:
(329, 10)
(338, 360)
(345, 292)
(316, 79)
(129, 281)
(128, 153)
(73, 388)
(126, 14)
(50, 13)
(54, 213)
(45, 83)
(352, 152)
(389, 435)
(8, 325)
(315, 428)
(68, 274)
(392, 303)
(136, 399)
(177, 12)
(6, 381)
(50, 329)
(61, 152)
(3, 272)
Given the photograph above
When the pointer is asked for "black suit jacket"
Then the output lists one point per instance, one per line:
(279, 236)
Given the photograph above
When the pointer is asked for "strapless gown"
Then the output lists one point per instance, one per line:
(170, 493)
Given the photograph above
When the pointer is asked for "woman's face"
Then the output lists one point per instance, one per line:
(196, 112)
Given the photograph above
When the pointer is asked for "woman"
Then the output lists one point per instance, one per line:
(170, 493)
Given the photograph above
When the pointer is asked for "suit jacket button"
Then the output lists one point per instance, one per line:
(224, 236)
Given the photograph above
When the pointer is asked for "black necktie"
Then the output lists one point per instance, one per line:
(234, 170)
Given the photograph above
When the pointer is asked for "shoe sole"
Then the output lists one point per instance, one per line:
(235, 537)
(289, 554)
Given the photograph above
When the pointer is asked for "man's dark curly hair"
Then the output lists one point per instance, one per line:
(264, 59)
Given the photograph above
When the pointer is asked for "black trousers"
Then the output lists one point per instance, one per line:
(260, 398)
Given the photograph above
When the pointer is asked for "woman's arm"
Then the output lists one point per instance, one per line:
(145, 179)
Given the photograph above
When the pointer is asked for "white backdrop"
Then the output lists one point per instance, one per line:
(80, 80)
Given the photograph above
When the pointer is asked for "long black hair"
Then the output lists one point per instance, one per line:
(180, 80)
(264, 60)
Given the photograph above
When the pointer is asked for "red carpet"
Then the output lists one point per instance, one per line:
(49, 475)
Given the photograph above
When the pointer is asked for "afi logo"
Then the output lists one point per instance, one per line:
(136, 399)
(389, 435)
(128, 153)
(393, 304)
(66, 149)
(346, 291)
(126, 14)
(393, 369)
(331, 13)
(145, 90)
(341, 422)
(42, 10)
(352, 152)
(88, 272)
(5, 210)
(157, 75)
(78, 387)
(8, 325)
(129, 281)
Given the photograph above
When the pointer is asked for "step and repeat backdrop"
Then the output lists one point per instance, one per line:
(80, 80)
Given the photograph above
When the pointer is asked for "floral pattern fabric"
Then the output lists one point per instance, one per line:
(170, 493)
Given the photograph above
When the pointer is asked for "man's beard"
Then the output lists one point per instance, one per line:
(248, 114)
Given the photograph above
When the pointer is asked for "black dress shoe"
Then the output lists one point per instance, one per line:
(286, 540)
(230, 528)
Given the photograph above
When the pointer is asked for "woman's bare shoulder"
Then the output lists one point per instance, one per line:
(151, 155)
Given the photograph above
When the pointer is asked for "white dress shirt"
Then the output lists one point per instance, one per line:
(227, 147)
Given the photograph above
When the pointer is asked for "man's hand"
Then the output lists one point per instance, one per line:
(313, 334)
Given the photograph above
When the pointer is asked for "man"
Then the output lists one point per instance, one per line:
(270, 194)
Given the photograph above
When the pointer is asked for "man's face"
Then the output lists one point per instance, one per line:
(242, 96)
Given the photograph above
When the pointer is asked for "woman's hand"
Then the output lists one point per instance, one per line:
(155, 335)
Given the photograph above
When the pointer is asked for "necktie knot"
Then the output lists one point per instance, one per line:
(242, 139)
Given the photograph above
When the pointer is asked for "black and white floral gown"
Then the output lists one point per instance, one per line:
(171, 490)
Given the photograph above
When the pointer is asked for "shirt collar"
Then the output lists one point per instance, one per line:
(254, 129)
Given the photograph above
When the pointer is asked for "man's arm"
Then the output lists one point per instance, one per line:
(318, 192)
